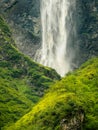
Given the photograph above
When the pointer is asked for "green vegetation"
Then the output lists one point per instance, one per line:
(22, 81)
(74, 95)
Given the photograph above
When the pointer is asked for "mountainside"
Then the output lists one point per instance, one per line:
(24, 17)
(70, 104)
(34, 97)
(22, 81)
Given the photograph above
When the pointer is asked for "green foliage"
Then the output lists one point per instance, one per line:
(4, 28)
(13, 103)
(22, 81)
(77, 92)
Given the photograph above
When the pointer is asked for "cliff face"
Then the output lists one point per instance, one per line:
(87, 29)
(24, 17)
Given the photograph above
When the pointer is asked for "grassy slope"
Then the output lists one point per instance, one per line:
(22, 81)
(77, 91)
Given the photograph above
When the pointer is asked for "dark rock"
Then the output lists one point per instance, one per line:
(74, 123)
(87, 29)
(23, 16)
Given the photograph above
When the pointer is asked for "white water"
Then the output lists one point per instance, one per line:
(56, 20)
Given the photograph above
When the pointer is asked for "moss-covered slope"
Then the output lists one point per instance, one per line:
(71, 103)
(22, 81)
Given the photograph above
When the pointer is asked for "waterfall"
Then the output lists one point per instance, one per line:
(57, 30)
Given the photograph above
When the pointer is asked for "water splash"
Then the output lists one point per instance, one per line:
(57, 27)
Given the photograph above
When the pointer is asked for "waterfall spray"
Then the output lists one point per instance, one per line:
(56, 20)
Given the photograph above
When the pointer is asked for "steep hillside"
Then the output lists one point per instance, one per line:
(70, 104)
(22, 81)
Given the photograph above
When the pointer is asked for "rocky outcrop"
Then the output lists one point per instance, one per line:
(74, 123)
(87, 14)
(23, 16)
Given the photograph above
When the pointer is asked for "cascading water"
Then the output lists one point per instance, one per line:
(57, 29)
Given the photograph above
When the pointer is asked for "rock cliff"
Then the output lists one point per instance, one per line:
(24, 17)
